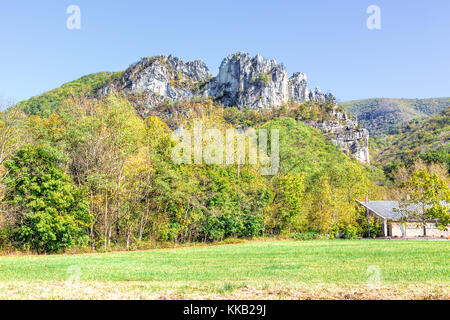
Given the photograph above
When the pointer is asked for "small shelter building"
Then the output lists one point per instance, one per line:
(396, 224)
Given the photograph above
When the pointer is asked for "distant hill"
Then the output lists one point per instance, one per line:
(50, 101)
(384, 115)
(427, 139)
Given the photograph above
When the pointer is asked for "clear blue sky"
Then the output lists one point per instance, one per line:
(409, 57)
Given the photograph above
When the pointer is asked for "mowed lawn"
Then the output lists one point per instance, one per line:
(267, 269)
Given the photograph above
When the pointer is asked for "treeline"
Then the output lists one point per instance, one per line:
(95, 175)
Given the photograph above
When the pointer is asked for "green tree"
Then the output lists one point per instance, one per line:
(287, 211)
(51, 213)
(424, 202)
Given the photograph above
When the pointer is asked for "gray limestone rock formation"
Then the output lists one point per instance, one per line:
(244, 81)
(346, 134)
(156, 79)
(255, 82)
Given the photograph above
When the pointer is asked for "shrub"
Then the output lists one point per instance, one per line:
(350, 232)
(303, 236)
(264, 77)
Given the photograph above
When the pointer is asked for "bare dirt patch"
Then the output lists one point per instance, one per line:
(158, 291)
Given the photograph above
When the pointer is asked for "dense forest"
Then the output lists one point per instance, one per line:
(86, 172)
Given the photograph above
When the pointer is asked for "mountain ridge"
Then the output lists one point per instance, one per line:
(242, 81)
(386, 115)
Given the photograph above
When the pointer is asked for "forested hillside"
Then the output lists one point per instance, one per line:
(49, 102)
(95, 174)
(90, 165)
(427, 139)
(384, 116)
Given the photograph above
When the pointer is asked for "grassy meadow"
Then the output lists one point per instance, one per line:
(335, 269)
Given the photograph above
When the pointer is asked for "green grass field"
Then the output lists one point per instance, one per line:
(256, 270)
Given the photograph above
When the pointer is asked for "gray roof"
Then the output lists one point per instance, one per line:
(387, 209)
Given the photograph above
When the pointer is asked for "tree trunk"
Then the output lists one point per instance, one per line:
(128, 239)
(424, 221)
(142, 224)
(109, 235)
(106, 220)
(92, 238)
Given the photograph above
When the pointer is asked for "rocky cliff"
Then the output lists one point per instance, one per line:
(243, 81)
(255, 82)
(346, 134)
(156, 79)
